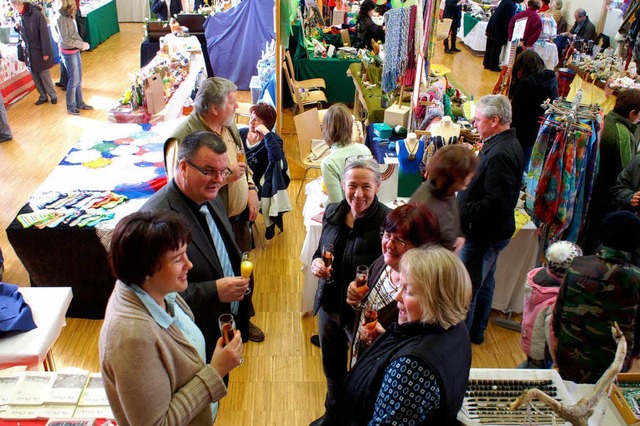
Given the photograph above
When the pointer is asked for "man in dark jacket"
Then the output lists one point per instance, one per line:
(487, 205)
(583, 28)
(626, 191)
(617, 148)
(498, 32)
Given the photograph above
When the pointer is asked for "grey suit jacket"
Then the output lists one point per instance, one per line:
(202, 293)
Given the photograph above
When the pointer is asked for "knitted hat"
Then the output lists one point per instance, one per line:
(559, 256)
(621, 231)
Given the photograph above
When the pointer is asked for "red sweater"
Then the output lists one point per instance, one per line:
(532, 30)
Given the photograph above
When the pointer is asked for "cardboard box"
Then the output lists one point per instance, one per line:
(382, 130)
(154, 94)
(397, 115)
(617, 397)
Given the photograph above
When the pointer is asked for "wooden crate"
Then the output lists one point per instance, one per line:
(617, 397)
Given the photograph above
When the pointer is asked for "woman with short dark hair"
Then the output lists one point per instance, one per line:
(152, 354)
(406, 227)
(265, 157)
(450, 170)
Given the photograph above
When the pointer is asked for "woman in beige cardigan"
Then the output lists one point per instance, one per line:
(151, 352)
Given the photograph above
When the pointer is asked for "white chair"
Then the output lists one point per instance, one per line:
(309, 84)
(312, 97)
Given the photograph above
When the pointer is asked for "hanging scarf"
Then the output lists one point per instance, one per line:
(395, 50)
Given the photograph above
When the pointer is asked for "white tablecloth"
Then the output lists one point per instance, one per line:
(514, 262)
(476, 38)
(88, 6)
(133, 10)
(49, 306)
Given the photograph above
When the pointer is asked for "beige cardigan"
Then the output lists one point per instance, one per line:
(152, 375)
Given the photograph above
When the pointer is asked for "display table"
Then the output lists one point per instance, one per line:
(594, 92)
(340, 86)
(49, 307)
(514, 262)
(604, 413)
(100, 21)
(15, 78)
(123, 158)
(173, 108)
(472, 32)
(133, 10)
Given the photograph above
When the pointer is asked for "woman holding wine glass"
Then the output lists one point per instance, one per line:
(417, 371)
(152, 354)
(350, 237)
(408, 226)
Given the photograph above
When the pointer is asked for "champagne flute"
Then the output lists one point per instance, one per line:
(246, 267)
(327, 256)
(371, 316)
(362, 278)
(228, 329)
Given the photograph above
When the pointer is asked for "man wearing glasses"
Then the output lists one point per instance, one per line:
(215, 285)
(214, 111)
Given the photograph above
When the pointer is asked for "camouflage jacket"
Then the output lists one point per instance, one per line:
(596, 291)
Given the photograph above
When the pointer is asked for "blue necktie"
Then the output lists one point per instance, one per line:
(221, 250)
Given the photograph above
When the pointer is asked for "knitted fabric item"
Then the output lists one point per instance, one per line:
(395, 60)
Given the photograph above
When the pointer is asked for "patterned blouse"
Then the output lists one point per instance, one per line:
(408, 393)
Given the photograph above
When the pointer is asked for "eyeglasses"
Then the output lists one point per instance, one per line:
(388, 237)
(217, 174)
(363, 157)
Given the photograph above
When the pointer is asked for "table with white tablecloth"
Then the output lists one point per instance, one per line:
(548, 53)
(49, 307)
(514, 262)
(476, 39)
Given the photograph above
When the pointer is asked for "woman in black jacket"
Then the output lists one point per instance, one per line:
(532, 84)
(353, 228)
(366, 29)
(32, 26)
(498, 33)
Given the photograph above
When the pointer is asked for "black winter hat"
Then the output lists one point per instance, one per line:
(621, 231)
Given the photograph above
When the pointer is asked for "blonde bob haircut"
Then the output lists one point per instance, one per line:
(337, 125)
(440, 282)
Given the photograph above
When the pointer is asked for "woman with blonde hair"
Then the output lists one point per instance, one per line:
(337, 128)
(417, 371)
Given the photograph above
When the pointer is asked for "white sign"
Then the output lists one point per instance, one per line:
(518, 29)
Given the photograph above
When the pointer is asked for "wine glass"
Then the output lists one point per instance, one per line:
(228, 329)
(371, 316)
(327, 257)
(246, 267)
(362, 278)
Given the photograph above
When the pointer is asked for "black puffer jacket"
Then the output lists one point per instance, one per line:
(528, 94)
(33, 30)
(359, 245)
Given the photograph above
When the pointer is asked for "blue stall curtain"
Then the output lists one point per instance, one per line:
(15, 314)
(236, 37)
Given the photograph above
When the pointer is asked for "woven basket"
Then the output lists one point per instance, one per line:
(470, 136)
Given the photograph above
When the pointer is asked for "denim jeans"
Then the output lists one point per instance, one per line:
(480, 258)
(73, 65)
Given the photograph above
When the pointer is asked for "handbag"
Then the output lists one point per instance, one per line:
(21, 50)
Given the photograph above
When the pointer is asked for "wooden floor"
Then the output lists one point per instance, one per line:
(281, 381)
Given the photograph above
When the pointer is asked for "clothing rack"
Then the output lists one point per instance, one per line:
(568, 135)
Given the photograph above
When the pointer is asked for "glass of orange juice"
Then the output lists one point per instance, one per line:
(246, 266)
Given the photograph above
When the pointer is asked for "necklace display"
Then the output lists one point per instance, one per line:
(412, 151)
